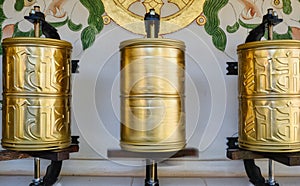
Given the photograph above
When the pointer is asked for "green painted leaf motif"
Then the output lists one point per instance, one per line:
(248, 26)
(287, 7)
(2, 18)
(95, 21)
(59, 24)
(88, 36)
(219, 39)
(211, 13)
(94, 6)
(211, 9)
(96, 9)
(88, 4)
(74, 27)
(233, 28)
(19, 5)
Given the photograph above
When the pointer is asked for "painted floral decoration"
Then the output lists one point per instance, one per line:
(66, 16)
(247, 14)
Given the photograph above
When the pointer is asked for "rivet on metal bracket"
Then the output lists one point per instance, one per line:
(232, 68)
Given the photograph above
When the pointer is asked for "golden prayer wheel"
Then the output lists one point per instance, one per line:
(152, 95)
(269, 95)
(36, 94)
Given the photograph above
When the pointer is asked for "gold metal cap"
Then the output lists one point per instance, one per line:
(154, 42)
(270, 44)
(33, 41)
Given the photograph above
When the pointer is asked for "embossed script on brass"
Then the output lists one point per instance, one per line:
(36, 94)
(269, 95)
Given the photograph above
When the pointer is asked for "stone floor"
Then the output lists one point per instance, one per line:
(138, 181)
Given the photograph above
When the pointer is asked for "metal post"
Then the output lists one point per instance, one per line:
(270, 26)
(271, 179)
(37, 23)
(37, 164)
(152, 20)
(151, 173)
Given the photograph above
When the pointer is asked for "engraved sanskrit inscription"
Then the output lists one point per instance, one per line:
(277, 72)
(276, 121)
(37, 120)
(37, 69)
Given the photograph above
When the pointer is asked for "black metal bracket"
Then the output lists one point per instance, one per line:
(56, 157)
(47, 29)
(52, 173)
(254, 174)
(74, 66)
(252, 170)
(269, 20)
(232, 68)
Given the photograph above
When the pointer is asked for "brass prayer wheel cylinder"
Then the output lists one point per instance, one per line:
(152, 95)
(269, 95)
(36, 94)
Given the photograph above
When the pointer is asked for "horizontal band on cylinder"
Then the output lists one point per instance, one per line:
(270, 147)
(271, 96)
(151, 147)
(139, 96)
(35, 146)
(36, 95)
(43, 145)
